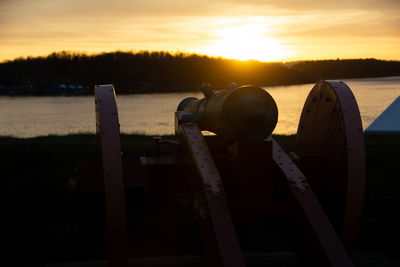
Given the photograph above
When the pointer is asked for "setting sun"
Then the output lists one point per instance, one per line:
(246, 42)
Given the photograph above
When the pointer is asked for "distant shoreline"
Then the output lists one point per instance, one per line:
(75, 74)
(90, 91)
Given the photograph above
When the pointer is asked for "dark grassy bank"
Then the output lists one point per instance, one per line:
(43, 221)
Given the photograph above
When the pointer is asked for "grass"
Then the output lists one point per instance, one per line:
(43, 220)
(380, 231)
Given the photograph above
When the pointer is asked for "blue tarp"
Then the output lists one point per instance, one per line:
(388, 121)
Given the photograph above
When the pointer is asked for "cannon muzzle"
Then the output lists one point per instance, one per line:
(239, 113)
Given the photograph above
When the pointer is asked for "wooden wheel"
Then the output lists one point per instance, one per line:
(107, 128)
(330, 146)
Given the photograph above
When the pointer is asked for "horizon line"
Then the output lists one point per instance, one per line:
(175, 53)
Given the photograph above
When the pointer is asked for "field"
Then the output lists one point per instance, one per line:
(43, 220)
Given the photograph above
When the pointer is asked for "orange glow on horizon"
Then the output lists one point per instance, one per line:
(246, 42)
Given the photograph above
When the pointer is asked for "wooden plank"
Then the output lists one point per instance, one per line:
(221, 242)
(315, 225)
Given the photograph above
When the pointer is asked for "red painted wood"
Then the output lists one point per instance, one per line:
(221, 242)
(309, 214)
(107, 127)
(330, 146)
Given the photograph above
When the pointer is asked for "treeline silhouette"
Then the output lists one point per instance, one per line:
(148, 72)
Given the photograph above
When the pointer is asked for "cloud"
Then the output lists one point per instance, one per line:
(311, 5)
(349, 23)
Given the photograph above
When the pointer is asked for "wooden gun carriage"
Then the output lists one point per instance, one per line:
(241, 174)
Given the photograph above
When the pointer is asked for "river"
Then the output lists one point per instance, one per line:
(153, 113)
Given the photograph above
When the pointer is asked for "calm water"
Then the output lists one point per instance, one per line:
(153, 114)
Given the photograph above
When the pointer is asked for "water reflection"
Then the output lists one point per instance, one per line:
(153, 114)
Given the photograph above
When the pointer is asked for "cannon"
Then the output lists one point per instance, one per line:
(245, 112)
(241, 174)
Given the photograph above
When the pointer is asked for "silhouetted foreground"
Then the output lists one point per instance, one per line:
(66, 73)
(44, 222)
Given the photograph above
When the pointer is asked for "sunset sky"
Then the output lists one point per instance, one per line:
(243, 29)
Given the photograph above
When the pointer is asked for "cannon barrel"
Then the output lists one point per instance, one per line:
(239, 113)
